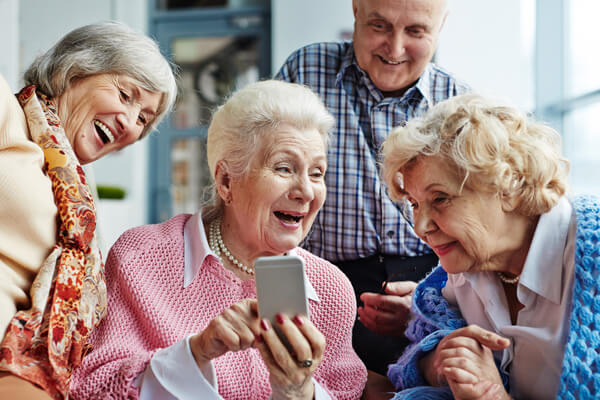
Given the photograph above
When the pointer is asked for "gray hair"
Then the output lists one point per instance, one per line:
(105, 48)
(239, 126)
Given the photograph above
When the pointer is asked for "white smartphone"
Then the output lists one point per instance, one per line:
(280, 289)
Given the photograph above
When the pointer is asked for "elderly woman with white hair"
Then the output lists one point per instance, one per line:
(182, 320)
(99, 89)
(512, 309)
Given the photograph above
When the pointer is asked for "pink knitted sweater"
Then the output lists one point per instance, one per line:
(149, 309)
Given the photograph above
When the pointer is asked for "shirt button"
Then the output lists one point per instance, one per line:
(390, 234)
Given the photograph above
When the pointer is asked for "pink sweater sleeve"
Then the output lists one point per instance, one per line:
(122, 345)
(341, 372)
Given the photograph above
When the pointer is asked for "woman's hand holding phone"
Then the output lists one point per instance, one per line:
(235, 329)
(291, 346)
(291, 369)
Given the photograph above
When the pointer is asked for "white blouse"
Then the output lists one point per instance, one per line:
(534, 359)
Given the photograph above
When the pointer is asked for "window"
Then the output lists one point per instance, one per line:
(568, 83)
(217, 51)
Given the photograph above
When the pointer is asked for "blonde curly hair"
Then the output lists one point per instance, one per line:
(495, 149)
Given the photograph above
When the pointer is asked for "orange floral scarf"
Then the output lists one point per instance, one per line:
(68, 296)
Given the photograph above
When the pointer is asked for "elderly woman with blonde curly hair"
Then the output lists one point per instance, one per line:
(508, 313)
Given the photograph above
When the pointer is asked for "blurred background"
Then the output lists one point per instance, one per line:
(539, 55)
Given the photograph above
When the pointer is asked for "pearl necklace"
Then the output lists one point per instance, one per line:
(217, 245)
(506, 279)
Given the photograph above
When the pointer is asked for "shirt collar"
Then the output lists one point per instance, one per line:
(197, 249)
(425, 83)
(349, 63)
(542, 272)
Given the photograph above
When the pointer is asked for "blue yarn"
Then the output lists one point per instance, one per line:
(594, 339)
(583, 380)
(596, 305)
(424, 393)
(434, 318)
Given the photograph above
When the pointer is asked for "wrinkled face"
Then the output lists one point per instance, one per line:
(394, 40)
(104, 113)
(468, 230)
(273, 208)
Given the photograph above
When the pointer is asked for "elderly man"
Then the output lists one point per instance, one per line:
(376, 82)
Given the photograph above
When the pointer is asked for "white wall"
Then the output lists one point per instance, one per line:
(43, 22)
(39, 25)
(489, 44)
(9, 45)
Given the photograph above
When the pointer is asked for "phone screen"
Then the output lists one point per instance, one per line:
(280, 288)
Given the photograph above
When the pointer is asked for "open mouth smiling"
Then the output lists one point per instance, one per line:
(288, 217)
(104, 132)
(385, 61)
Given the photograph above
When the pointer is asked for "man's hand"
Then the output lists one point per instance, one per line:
(387, 314)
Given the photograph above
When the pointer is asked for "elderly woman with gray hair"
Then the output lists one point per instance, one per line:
(182, 321)
(99, 89)
(512, 309)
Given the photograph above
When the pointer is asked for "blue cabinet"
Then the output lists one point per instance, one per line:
(216, 51)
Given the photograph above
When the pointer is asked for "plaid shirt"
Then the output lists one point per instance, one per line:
(358, 218)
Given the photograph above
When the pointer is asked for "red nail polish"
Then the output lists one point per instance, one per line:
(264, 324)
(297, 320)
(258, 338)
(279, 318)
